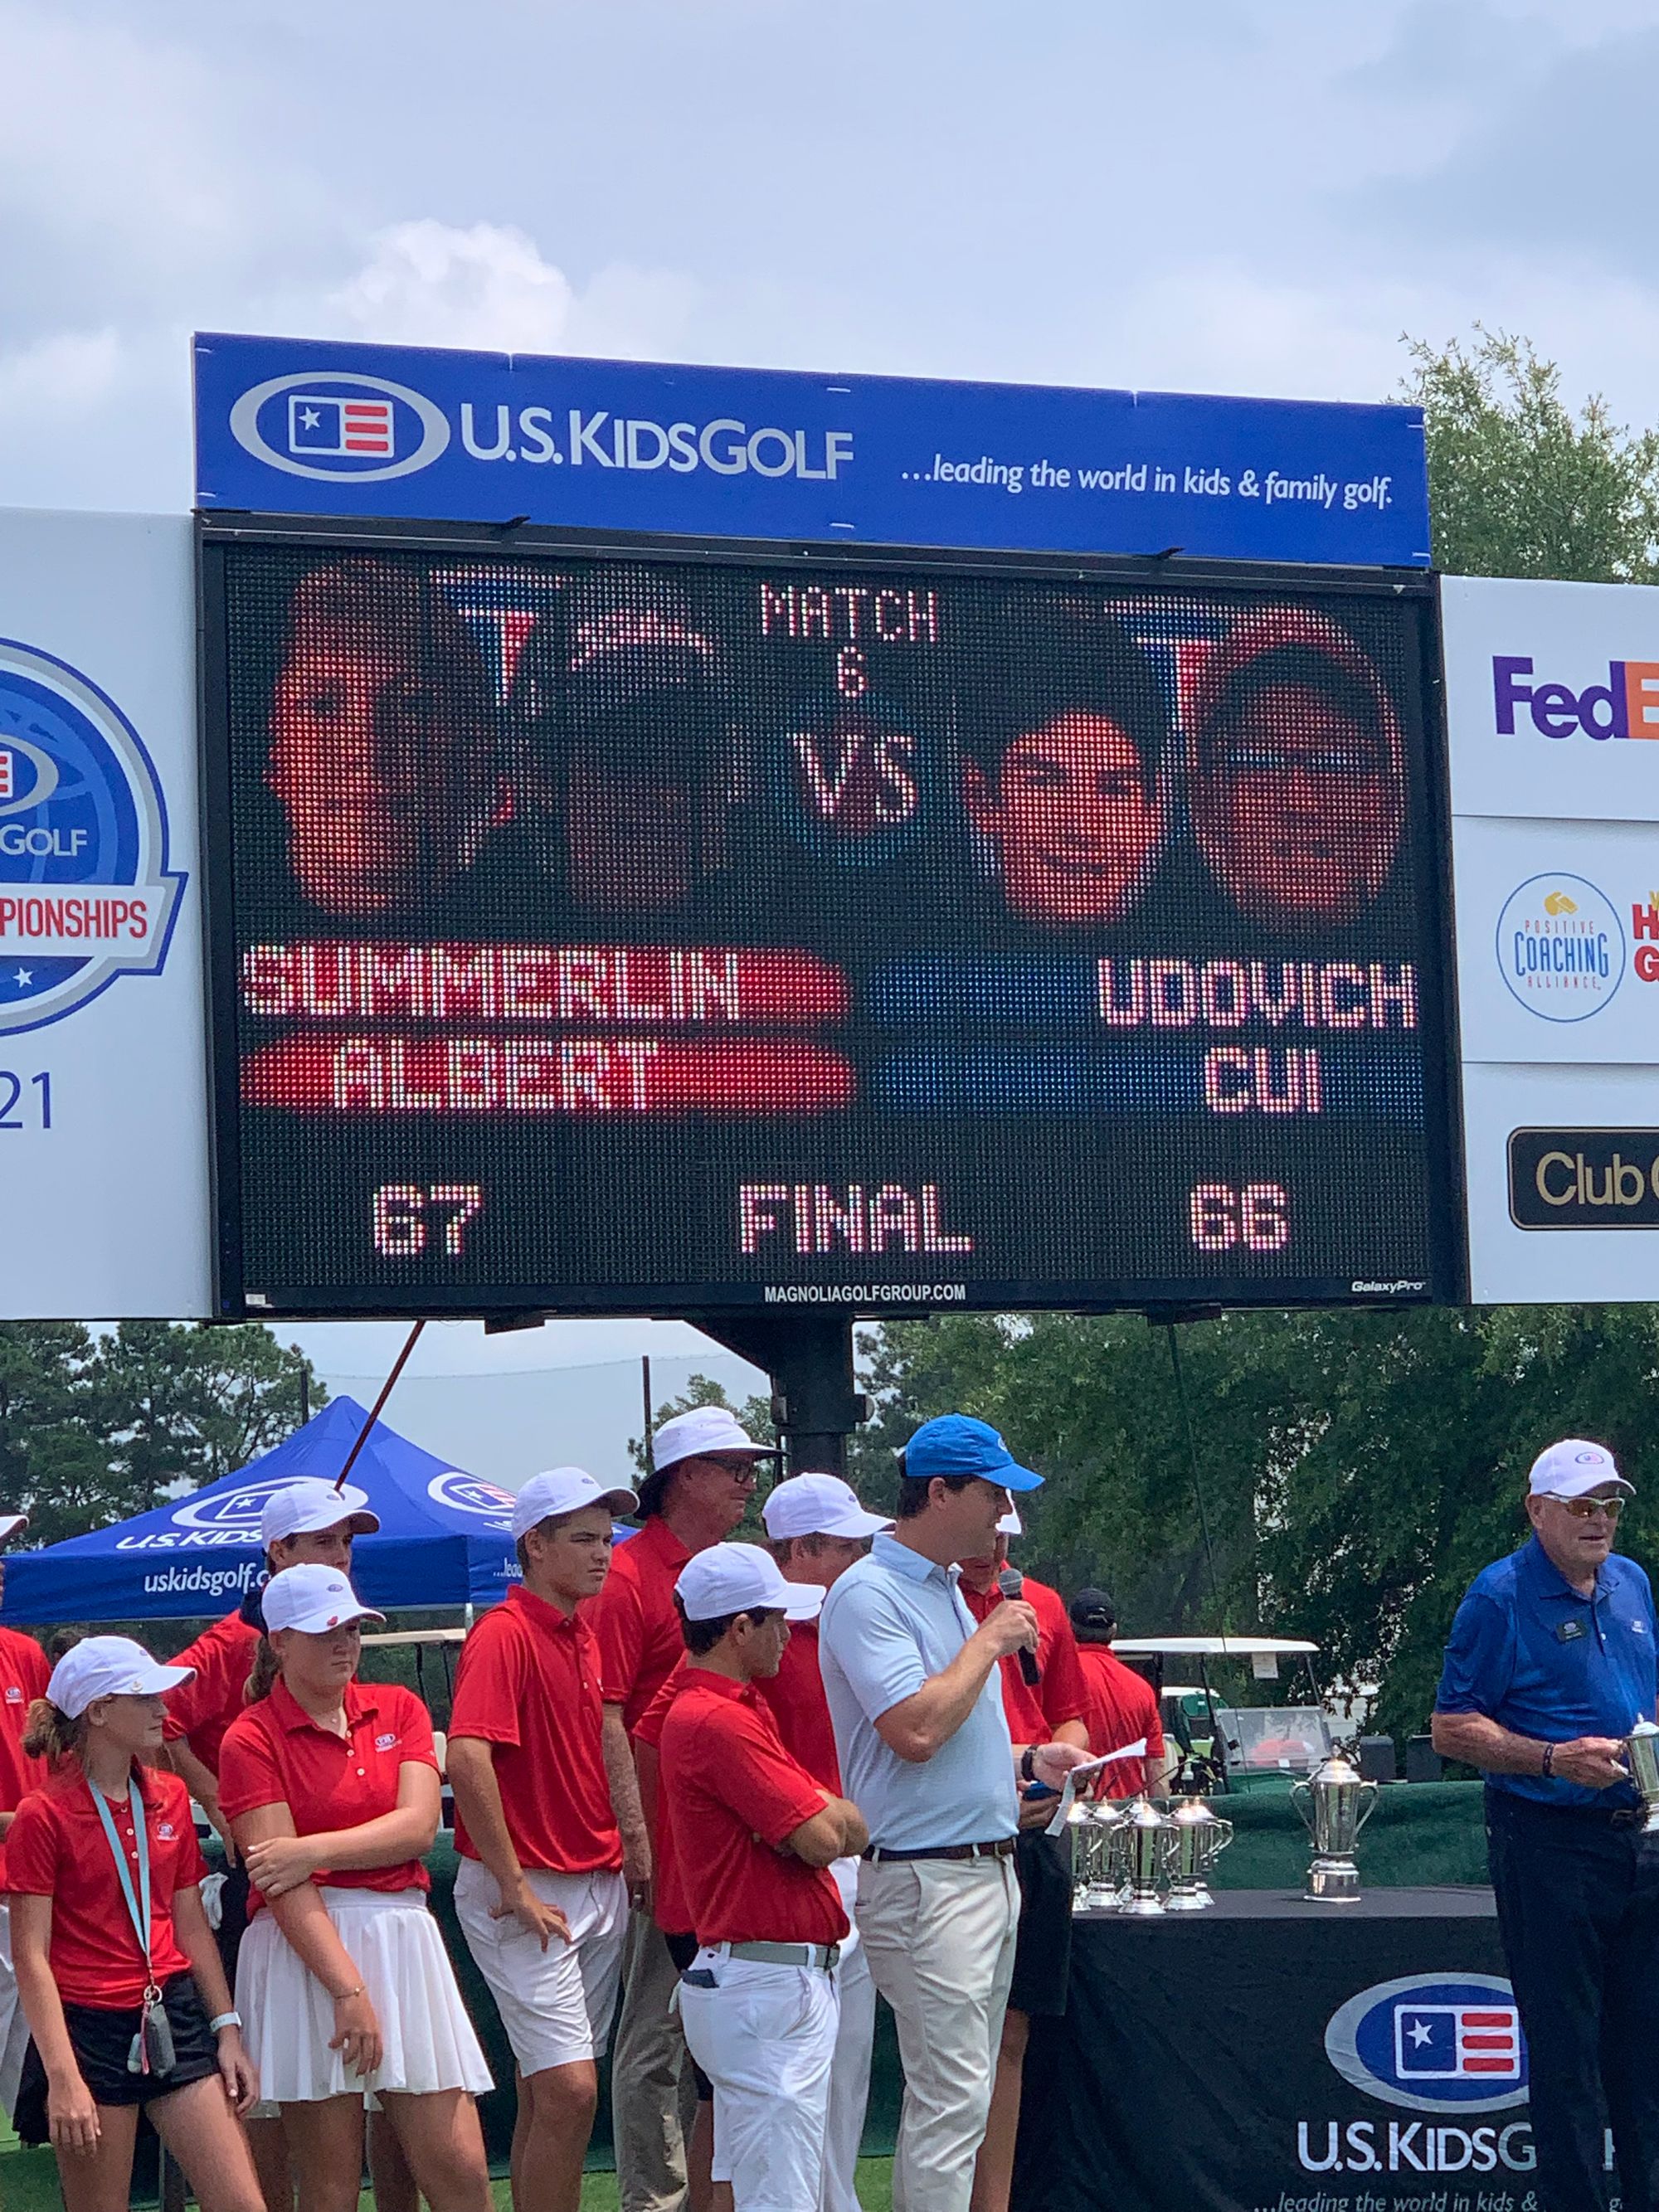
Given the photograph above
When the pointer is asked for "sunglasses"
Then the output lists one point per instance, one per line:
(740, 1470)
(1586, 1508)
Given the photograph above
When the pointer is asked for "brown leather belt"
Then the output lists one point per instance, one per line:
(1003, 1848)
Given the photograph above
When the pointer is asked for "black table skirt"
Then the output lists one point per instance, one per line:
(1193, 2070)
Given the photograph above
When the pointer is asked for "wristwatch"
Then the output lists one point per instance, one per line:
(1027, 1765)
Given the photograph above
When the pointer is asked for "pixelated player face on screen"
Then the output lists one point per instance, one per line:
(385, 753)
(1073, 818)
(1061, 780)
(635, 768)
(1298, 770)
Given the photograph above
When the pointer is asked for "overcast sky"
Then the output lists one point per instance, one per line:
(1230, 195)
(1254, 195)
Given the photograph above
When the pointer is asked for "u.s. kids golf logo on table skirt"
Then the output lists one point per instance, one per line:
(1432, 2043)
(1560, 947)
(86, 893)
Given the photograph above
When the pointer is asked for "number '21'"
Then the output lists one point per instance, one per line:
(11, 1092)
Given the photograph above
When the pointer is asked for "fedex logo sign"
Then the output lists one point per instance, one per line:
(1625, 706)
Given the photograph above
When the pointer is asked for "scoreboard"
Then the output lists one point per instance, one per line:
(660, 927)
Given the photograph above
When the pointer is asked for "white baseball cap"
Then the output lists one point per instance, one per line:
(817, 1505)
(742, 1578)
(109, 1666)
(704, 1429)
(305, 1507)
(1573, 1469)
(9, 1525)
(1010, 1524)
(563, 1490)
(313, 1599)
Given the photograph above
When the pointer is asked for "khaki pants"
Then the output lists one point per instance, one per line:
(940, 1937)
(652, 2096)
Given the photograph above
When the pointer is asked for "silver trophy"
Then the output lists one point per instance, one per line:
(1199, 1839)
(1148, 1839)
(1336, 1803)
(1642, 1757)
(1094, 1881)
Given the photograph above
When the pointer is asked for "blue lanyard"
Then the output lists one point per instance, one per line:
(137, 1907)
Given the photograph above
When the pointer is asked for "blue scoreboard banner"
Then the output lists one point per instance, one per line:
(303, 427)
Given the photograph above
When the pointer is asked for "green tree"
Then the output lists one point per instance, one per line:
(53, 1466)
(1519, 485)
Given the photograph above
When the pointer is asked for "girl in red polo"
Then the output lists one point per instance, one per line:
(331, 1787)
(117, 1968)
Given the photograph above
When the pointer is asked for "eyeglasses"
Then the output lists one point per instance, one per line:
(740, 1470)
(1586, 1508)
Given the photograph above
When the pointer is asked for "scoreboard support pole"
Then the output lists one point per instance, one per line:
(808, 1358)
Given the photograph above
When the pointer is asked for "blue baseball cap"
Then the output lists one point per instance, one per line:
(957, 1444)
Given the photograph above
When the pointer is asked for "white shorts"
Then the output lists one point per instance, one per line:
(555, 2004)
(765, 2037)
(394, 1943)
(14, 2028)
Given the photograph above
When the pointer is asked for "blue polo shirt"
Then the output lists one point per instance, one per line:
(890, 1624)
(1529, 1651)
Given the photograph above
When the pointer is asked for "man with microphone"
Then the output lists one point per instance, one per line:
(1045, 1698)
(914, 1691)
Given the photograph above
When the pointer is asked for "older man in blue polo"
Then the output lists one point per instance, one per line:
(1550, 1666)
(915, 1698)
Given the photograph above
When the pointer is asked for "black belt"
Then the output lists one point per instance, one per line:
(1003, 1848)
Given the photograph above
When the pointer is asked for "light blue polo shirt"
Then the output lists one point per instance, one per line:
(890, 1624)
(1531, 1653)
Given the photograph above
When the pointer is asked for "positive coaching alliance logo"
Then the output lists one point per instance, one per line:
(86, 893)
(1560, 947)
(335, 423)
(1447, 2045)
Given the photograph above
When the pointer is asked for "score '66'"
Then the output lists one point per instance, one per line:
(1258, 1217)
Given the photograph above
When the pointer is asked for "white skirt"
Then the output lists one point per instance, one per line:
(288, 2016)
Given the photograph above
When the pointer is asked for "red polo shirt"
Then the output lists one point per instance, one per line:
(24, 1674)
(795, 1694)
(57, 1848)
(1123, 1708)
(274, 1753)
(668, 1906)
(201, 1710)
(634, 1618)
(732, 1794)
(529, 1687)
(1034, 1710)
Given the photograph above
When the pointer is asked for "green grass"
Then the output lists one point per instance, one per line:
(29, 2182)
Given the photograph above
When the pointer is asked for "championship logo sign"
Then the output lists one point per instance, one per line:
(86, 893)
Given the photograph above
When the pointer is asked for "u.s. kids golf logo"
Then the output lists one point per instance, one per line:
(86, 893)
(1432, 2043)
(1560, 947)
(330, 423)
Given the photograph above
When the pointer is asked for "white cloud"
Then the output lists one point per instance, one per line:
(61, 377)
(488, 287)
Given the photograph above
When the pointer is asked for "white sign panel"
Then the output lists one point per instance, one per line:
(1552, 713)
(1552, 699)
(103, 1087)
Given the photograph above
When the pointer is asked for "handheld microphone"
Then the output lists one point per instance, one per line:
(1011, 1583)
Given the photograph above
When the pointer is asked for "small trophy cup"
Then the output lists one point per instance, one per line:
(1148, 1837)
(1094, 1889)
(1336, 1804)
(1199, 1840)
(1642, 1757)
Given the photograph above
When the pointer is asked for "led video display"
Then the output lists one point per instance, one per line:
(655, 933)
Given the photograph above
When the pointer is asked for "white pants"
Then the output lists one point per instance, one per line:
(940, 1938)
(850, 2069)
(555, 2004)
(765, 2036)
(14, 2028)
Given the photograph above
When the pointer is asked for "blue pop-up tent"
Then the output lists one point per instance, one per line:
(445, 1537)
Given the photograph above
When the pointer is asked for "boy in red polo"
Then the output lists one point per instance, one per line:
(540, 1895)
(1123, 1706)
(755, 1837)
(24, 1674)
(702, 1477)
